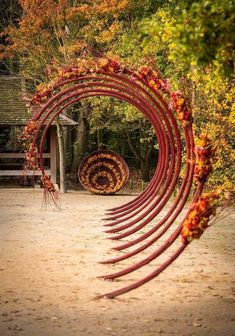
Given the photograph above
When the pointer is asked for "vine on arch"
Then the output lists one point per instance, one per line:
(170, 116)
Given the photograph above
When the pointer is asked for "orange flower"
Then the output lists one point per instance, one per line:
(47, 184)
(178, 103)
(31, 157)
(103, 62)
(144, 71)
(151, 83)
(198, 217)
(203, 161)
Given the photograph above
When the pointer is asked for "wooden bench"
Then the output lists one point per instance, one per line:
(20, 172)
(52, 156)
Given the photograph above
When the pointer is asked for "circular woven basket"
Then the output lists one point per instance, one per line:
(103, 172)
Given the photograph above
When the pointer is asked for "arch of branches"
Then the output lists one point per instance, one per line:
(172, 122)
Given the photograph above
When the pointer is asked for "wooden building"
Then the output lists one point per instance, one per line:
(13, 117)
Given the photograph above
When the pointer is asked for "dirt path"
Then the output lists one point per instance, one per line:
(48, 270)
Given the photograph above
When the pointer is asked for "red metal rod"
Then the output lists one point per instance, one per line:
(148, 259)
(158, 252)
(161, 249)
(64, 106)
(187, 182)
(149, 277)
(180, 201)
(156, 104)
(153, 189)
(152, 196)
(56, 106)
(170, 116)
(57, 96)
(157, 205)
(149, 203)
(120, 79)
(173, 177)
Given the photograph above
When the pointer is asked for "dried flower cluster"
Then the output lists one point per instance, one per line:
(198, 217)
(204, 152)
(31, 157)
(73, 72)
(109, 65)
(178, 103)
(47, 184)
(153, 78)
(81, 68)
(29, 131)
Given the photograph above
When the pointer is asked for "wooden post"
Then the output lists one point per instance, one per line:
(61, 147)
(53, 153)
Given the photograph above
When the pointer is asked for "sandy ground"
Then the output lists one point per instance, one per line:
(49, 269)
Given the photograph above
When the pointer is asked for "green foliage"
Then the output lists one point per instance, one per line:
(110, 114)
(195, 33)
(206, 33)
(192, 42)
(213, 111)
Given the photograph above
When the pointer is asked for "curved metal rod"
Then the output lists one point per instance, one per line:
(121, 78)
(68, 97)
(165, 118)
(129, 208)
(157, 205)
(182, 196)
(153, 256)
(172, 176)
(144, 98)
(153, 210)
(59, 104)
(53, 99)
(186, 180)
(149, 277)
(156, 253)
(131, 214)
(171, 117)
(100, 92)
(148, 259)
(152, 192)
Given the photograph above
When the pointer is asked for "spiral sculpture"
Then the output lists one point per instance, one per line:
(103, 172)
(172, 122)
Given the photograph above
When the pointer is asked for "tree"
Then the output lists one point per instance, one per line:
(9, 14)
(116, 122)
(196, 33)
(192, 42)
(68, 29)
(80, 135)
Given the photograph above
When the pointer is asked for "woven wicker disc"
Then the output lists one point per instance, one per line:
(103, 172)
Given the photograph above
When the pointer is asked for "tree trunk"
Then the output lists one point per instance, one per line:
(61, 146)
(143, 155)
(99, 138)
(81, 139)
(146, 153)
(145, 170)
